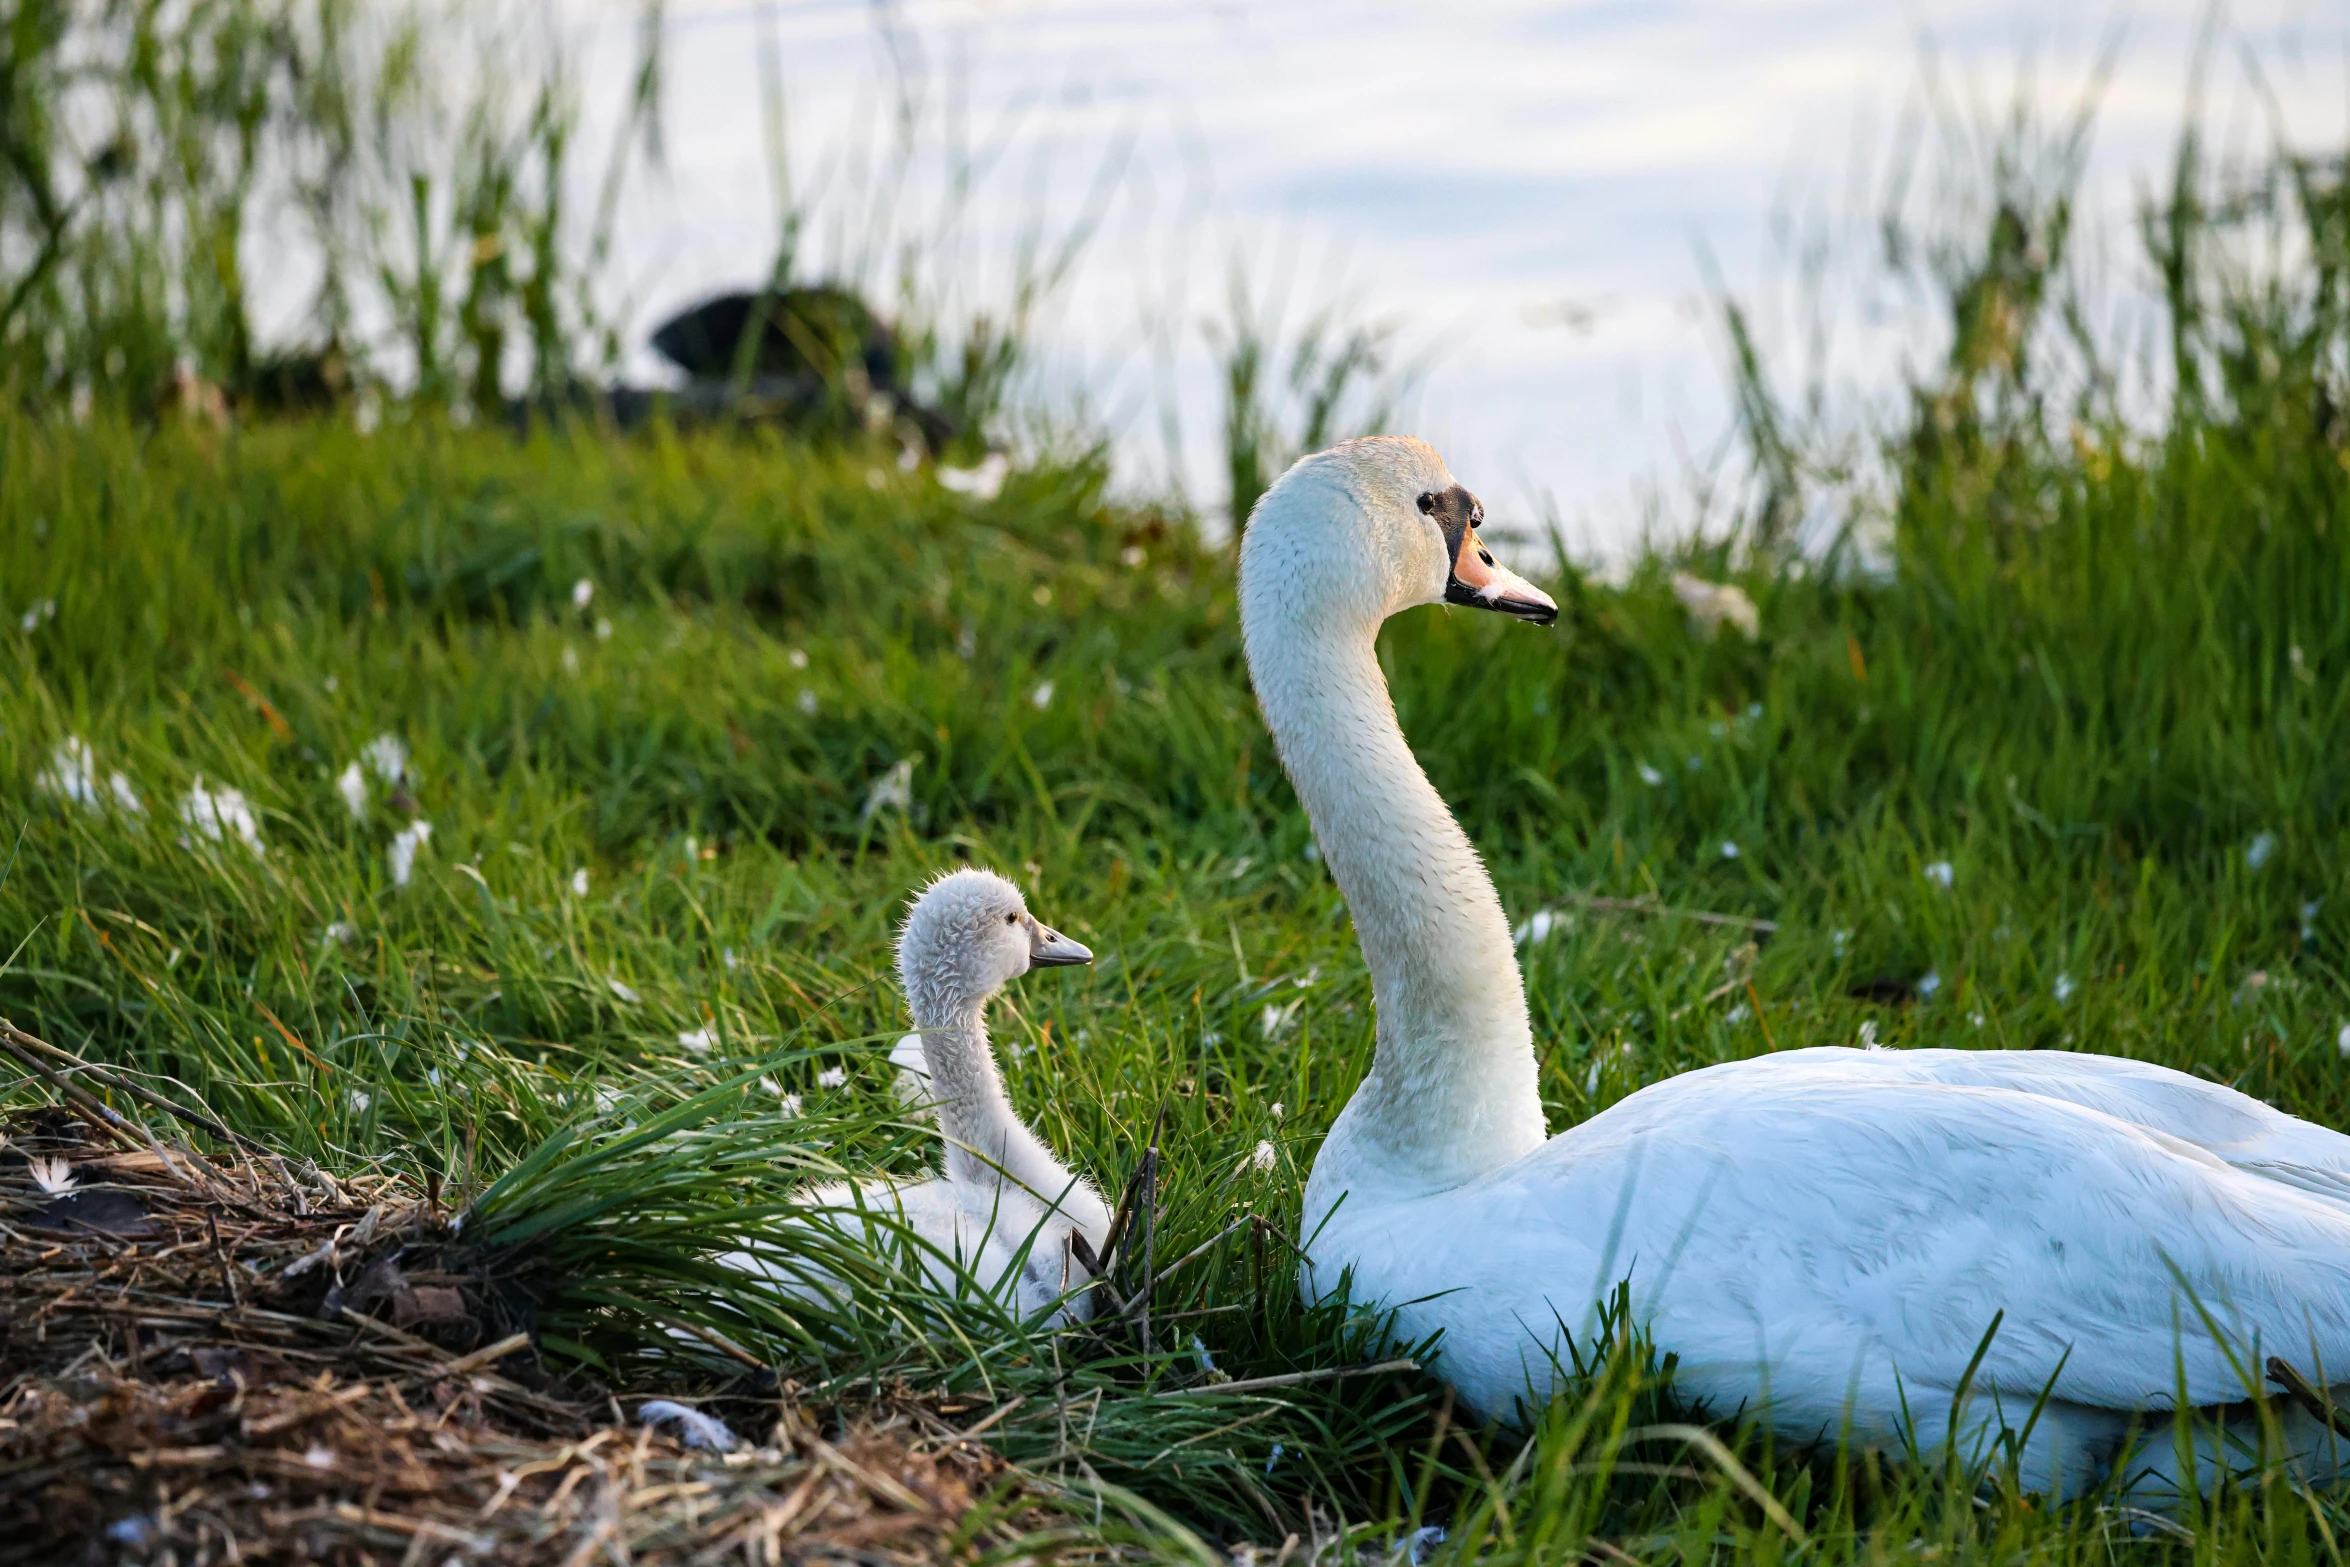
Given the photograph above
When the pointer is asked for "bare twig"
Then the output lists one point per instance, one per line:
(1150, 1235)
(2308, 1396)
(228, 1271)
(1290, 1379)
(111, 1122)
(1192, 1255)
(122, 1085)
(716, 1340)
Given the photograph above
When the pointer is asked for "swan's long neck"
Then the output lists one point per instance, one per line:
(1452, 1090)
(986, 1141)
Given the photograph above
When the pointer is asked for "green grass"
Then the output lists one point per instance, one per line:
(2095, 677)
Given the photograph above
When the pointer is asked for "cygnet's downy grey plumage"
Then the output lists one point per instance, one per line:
(1004, 1206)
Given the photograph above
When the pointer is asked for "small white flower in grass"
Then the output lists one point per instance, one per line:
(1650, 776)
(1737, 1015)
(1867, 1038)
(1931, 983)
(358, 1100)
(607, 1100)
(1278, 1110)
(583, 593)
(832, 1077)
(1313, 854)
(2309, 919)
(339, 932)
(126, 798)
(388, 756)
(1042, 697)
(623, 992)
(1263, 1157)
(1941, 873)
(797, 658)
(579, 882)
(2063, 988)
(1537, 928)
(331, 685)
(1729, 850)
(221, 813)
(1275, 1020)
(71, 774)
(570, 659)
(432, 1075)
(788, 1107)
(1838, 941)
(401, 856)
(730, 960)
(1132, 557)
(53, 1176)
(2342, 1042)
(807, 702)
(1713, 605)
(2260, 850)
(1975, 1019)
(982, 483)
(698, 1040)
(1274, 1457)
(892, 791)
(32, 618)
(603, 629)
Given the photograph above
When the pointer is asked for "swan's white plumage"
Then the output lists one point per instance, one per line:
(1003, 1207)
(1824, 1236)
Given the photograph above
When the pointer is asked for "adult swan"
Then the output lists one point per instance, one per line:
(1822, 1237)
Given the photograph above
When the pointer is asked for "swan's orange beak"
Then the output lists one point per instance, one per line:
(1481, 582)
(1473, 577)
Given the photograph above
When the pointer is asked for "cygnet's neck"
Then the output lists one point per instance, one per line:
(986, 1141)
(1452, 1090)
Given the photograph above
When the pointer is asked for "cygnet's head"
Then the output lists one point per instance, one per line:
(1367, 529)
(968, 935)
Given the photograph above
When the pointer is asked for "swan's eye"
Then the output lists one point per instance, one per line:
(1485, 554)
(1428, 504)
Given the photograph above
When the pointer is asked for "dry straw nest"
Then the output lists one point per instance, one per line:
(205, 1361)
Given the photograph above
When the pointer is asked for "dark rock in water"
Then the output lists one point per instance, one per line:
(823, 332)
(301, 380)
(820, 361)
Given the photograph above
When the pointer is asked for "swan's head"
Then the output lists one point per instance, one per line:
(967, 936)
(1367, 529)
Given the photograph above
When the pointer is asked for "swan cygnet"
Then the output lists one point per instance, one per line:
(1002, 1207)
(1822, 1237)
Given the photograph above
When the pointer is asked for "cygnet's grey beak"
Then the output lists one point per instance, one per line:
(1048, 948)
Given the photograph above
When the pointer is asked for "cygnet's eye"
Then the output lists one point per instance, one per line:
(1011, 919)
(1428, 503)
